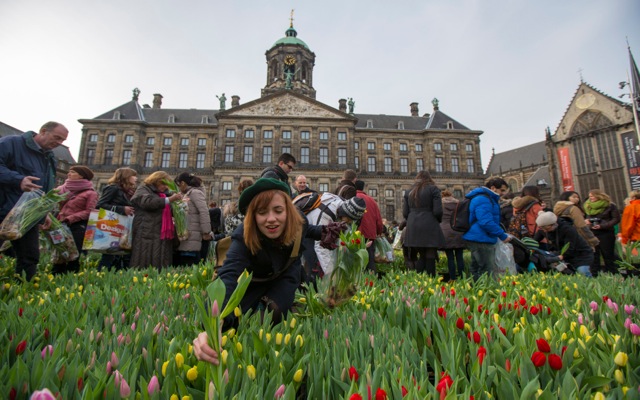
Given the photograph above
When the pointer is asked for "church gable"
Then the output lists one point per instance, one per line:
(285, 105)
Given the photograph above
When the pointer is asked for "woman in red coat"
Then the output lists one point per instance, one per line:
(75, 210)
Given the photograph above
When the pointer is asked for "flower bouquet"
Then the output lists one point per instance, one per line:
(179, 210)
(350, 263)
(30, 209)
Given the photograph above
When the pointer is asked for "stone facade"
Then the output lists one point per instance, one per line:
(227, 145)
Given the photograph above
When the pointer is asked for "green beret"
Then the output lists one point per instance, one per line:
(260, 186)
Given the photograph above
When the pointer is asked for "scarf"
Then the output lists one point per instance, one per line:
(128, 191)
(166, 232)
(595, 207)
(75, 186)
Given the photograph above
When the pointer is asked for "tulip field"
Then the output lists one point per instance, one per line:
(129, 334)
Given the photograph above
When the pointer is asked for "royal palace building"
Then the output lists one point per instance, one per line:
(225, 145)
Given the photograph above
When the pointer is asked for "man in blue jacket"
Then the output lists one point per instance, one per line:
(485, 229)
(27, 163)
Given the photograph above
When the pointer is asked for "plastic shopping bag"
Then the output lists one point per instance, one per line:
(384, 251)
(28, 211)
(61, 245)
(505, 262)
(108, 232)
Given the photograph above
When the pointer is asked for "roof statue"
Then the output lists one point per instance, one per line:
(223, 100)
(351, 104)
(435, 103)
(136, 94)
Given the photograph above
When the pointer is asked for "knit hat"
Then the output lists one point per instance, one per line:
(260, 186)
(354, 208)
(360, 185)
(83, 171)
(546, 218)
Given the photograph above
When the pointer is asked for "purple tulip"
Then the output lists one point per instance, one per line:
(635, 329)
(44, 394)
(627, 323)
(153, 386)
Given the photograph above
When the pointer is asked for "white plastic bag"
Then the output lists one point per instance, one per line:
(505, 262)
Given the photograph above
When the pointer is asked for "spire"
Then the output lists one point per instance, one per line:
(291, 19)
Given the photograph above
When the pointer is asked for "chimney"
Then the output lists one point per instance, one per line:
(414, 109)
(157, 100)
(235, 100)
(342, 105)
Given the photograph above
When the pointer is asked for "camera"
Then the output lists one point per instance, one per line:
(595, 220)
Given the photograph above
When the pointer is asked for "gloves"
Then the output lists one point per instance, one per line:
(331, 233)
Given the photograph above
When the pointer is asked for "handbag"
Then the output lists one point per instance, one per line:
(108, 232)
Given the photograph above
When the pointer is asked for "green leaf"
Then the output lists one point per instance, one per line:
(530, 390)
(238, 293)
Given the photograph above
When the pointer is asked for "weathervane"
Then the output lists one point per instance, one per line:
(291, 19)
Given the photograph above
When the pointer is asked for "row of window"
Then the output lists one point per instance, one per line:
(287, 135)
(151, 140)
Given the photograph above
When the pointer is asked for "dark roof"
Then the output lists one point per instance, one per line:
(61, 152)
(541, 174)
(131, 111)
(533, 154)
(439, 120)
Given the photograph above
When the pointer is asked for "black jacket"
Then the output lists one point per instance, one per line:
(275, 172)
(579, 252)
(113, 198)
(215, 214)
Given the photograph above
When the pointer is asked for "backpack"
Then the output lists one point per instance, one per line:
(460, 216)
(518, 224)
(307, 202)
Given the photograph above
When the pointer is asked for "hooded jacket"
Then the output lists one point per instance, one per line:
(20, 156)
(484, 217)
(565, 208)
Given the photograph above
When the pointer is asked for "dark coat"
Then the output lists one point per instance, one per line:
(423, 218)
(20, 157)
(579, 252)
(452, 239)
(609, 218)
(114, 198)
(346, 189)
(271, 260)
(215, 215)
(147, 248)
(275, 172)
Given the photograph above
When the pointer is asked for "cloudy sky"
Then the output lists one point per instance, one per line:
(508, 68)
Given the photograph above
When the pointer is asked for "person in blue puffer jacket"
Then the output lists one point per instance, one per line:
(485, 229)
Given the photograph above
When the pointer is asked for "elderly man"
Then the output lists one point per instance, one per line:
(27, 163)
(300, 186)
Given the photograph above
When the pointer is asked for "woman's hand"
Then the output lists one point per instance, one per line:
(203, 351)
(128, 210)
(175, 197)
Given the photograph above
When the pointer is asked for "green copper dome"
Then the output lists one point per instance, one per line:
(291, 38)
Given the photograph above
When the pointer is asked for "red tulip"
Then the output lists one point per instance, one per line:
(460, 323)
(21, 347)
(442, 312)
(605, 298)
(355, 396)
(555, 361)
(404, 391)
(507, 365)
(476, 337)
(20, 312)
(13, 393)
(80, 384)
(444, 384)
(353, 374)
(503, 294)
(452, 292)
(523, 301)
(466, 301)
(481, 353)
(538, 358)
(381, 394)
(543, 345)
(534, 310)
(504, 331)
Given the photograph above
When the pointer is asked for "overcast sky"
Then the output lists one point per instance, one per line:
(508, 68)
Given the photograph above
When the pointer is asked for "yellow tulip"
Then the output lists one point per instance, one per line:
(584, 331)
(619, 376)
(164, 368)
(237, 312)
(135, 279)
(239, 347)
(58, 291)
(299, 340)
(260, 333)
(292, 324)
(186, 397)
(564, 336)
(573, 326)
(174, 397)
(192, 373)
(480, 293)
(278, 338)
(624, 390)
(268, 336)
(287, 338)
(7, 286)
(547, 334)
(576, 353)
(179, 360)
(204, 273)
(224, 356)
(297, 377)
(251, 372)
(181, 286)
(190, 349)
(599, 396)
(621, 359)
(496, 318)
(144, 279)
(224, 341)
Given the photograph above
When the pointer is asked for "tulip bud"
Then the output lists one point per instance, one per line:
(153, 386)
(125, 391)
(215, 311)
(48, 349)
(621, 359)
(44, 394)
(114, 360)
(280, 391)
(635, 329)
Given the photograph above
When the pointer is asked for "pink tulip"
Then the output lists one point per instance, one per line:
(635, 329)
(44, 394)
(627, 323)
(186, 296)
(594, 306)
(364, 315)
(78, 331)
(109, 368)
(215, 311)
(125, 391)
(138, 311)
(629, 308)
(580, 319)
(113, 329)
(613, 306)
(212, 390)
(48, 349)
(114, 360)
(326, 334)
(156, 329)
(98, 337)
(120, 339)
(225, 376)
(133, 326)
(280, 391)
(153, 386)
(122, 318)
(128, 339)
(117, 378)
